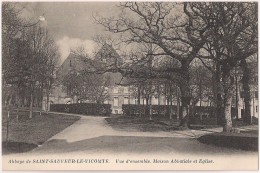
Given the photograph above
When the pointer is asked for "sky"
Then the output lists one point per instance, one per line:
(71, 23)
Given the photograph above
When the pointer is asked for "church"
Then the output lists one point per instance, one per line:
(117, 95)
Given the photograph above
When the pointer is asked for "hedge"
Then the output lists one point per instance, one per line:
(83, 108)
(137, 110)
(159, 110)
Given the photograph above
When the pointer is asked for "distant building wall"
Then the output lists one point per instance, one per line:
(119, 95)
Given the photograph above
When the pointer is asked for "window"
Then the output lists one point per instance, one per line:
(242, 94)
(126, 90)
(70, 63)
(115, 101)
(256, 94)
(126, 100)
(115, 90)
(256, 109)
(136, 100)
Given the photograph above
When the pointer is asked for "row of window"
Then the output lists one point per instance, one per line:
(116, 101)
(116, 90)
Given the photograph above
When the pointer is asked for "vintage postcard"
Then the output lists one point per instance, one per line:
(130, 85)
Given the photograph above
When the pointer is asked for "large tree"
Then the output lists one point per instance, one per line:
(249, 78)
(29, 56)
(230, 39)
(165, 25)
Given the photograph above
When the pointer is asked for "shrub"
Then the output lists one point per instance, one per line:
(83, 108)
(157, 110)
(199, 112)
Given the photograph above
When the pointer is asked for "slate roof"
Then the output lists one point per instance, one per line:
(106, 56)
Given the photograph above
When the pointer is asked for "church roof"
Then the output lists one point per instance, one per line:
(106, 57)
(73, 63)
(108, 54)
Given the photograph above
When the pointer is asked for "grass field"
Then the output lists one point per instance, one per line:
(33, 131)
(245, 140)
(162, 124)
(140, 124)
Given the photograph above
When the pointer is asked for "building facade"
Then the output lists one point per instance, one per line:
(120, 94)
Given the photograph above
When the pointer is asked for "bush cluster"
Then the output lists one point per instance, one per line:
(83, 108)
(139, 110)
(199, 112)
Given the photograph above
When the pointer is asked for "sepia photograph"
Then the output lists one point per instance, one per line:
(129, 85)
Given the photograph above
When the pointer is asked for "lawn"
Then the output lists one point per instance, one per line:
(32, 132)
(127, 123)
(134, 123)
(244, 140)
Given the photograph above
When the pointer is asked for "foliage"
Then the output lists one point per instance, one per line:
(83, 108)
(201, 83)
(231, 37)
(29, 55)
(220, 34)
(87, 86)
(136, 110)
(140, 110)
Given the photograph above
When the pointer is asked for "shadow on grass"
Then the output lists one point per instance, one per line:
(244, 141)
(125, 123)
(133, 145)
(25, 134)
(16, 147)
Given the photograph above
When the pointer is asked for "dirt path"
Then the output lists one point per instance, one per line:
(91, 135)
(91, 127)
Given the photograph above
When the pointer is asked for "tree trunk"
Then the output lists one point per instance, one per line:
(184, 116)
(47, 100)
(146, 106)
(185, 95)
(139, 100)
(41, 99)
(246, 88)
(171, 111)
(228, 83)
(227, 126)
(178, 103)
(237, 98)
(31, 106)
(219, 114)
(150, 109)
(170, 95)
(165, 99)
(138, 96)
(185, 100)
(18, 103)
